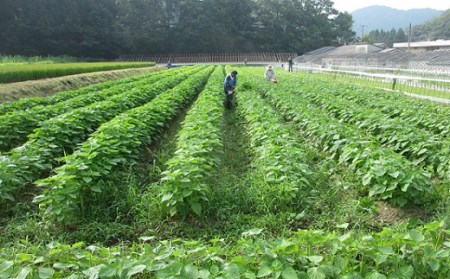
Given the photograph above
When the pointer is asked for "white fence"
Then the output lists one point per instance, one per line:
(417, 80)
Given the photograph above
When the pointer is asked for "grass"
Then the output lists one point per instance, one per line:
(21, 72)
(20, 59)
(43, 88)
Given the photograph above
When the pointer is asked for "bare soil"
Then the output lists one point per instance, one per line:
(394, 215)
(45, 87)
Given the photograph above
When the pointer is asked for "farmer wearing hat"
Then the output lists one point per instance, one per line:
(269, 74)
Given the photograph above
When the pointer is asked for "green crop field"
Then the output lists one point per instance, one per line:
(152, 177)
(14, 72)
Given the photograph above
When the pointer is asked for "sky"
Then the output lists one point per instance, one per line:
(351, 5)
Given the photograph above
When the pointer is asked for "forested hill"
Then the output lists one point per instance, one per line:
(437, 28)
(108, 28)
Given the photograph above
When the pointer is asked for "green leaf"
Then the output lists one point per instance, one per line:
(214, 269)
(350, 276)
(252, 232)
(196, 207)
(405, 272)
(24, 273)
(232, 271)
(191, 271)
(387, 250)
(24, 257)
(315, 273)
(395, 174)
(249, 275)
(344, 237)
(264, 271)
(146, 238)
(45, 272)
(289, 273)
(315, 259)
(6, 265)
(135, 270)
(59, 265)
(442, 254)
(342, 226)
(415, 236)
(167, 197)
(204, 274)
(366, 179)
(375, 275)
(96, 189)
(87, 179)
(434, 264)
(107, 271)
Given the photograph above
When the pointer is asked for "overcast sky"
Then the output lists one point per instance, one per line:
(351, 5)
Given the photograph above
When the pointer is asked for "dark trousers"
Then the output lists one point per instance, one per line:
(228, 101)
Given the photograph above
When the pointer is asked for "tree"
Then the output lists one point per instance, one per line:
(437, 28)
(343, 28)
(108, 28)
(294, 25)
(400, 36)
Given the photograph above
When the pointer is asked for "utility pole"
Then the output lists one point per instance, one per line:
(362, 30)
(409, 37)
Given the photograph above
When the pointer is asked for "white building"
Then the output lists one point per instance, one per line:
(423, 46)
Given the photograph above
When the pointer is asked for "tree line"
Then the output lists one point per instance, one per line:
(109, 28)
(386, 37)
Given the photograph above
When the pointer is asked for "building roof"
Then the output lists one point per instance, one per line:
(437, 43)
(354, 49)
(321, 50)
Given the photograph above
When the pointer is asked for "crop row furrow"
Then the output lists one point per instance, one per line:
(16, 126)
(280, 161)
(116, 143)
(60, 135)
(198, 148)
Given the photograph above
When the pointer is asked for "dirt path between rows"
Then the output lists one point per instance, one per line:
(45, 87)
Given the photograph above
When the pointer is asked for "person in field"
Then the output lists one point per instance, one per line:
(269, 74)
(290, 63)
(229, 86)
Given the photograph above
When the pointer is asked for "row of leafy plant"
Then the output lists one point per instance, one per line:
(60, 136)
(433, 117)
(281, 175)
(198, 148)
(116, 144)
(16, 126)
(27, 103)
(419, 146)
(423, 252)
(382, 172)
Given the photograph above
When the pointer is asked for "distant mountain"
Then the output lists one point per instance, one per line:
(385, 18)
